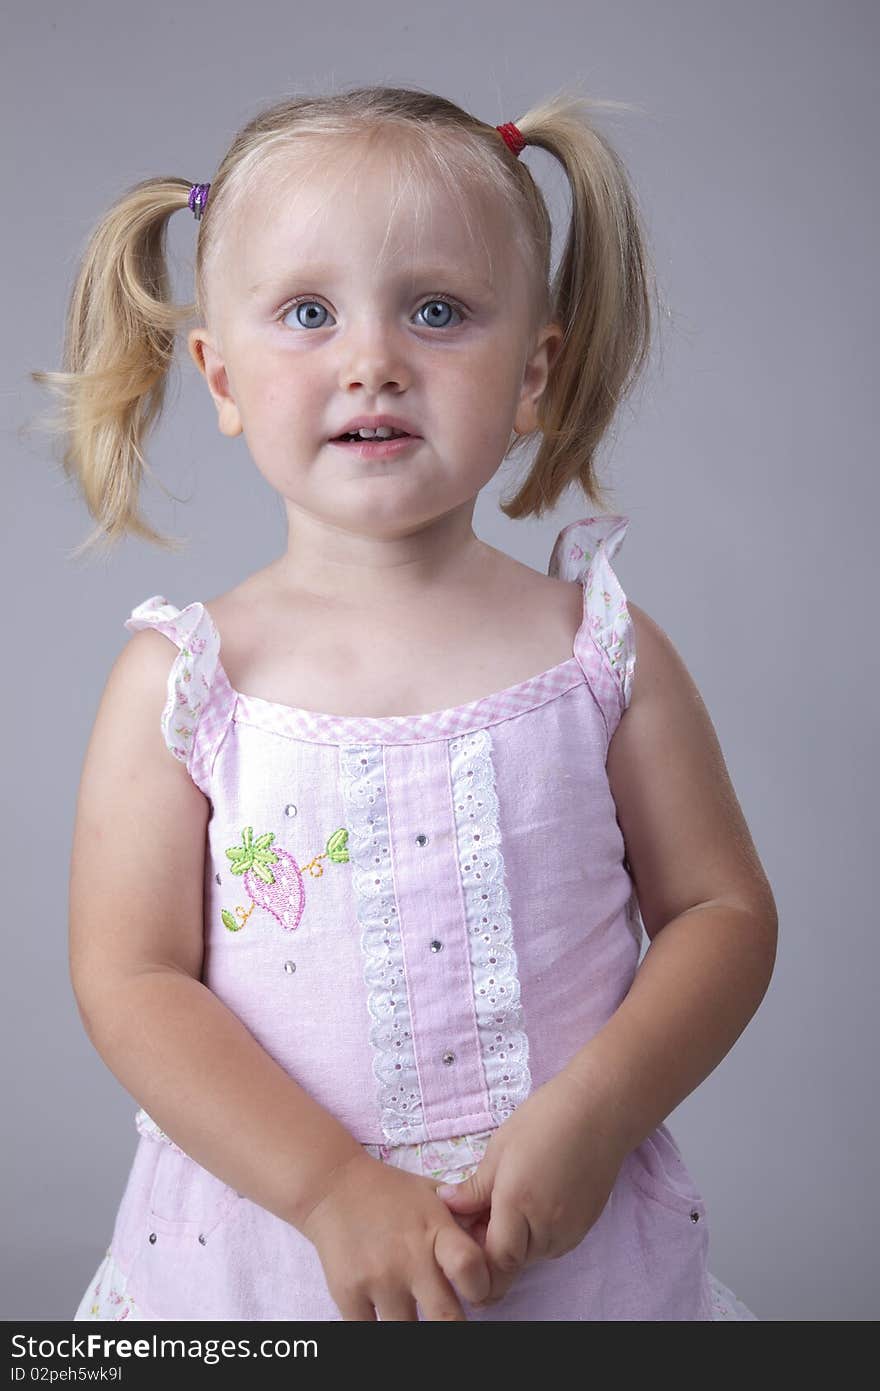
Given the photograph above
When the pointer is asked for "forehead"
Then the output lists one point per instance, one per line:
(358, 209)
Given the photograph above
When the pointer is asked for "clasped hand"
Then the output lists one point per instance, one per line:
(543, 1181)
(387, 1242)
(387, 1239)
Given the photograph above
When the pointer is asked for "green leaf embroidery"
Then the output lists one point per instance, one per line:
(254, 855)
(337, 847)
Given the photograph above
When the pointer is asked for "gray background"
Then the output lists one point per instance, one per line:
(746, 462)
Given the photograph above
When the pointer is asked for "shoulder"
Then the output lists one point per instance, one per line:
(248, 620)
(657, 659)
(257, 602)
(538, 597)
(126, 748)
(686, 838)
(139, 834)
(665, 701)
(155, 686)
(144, 663)
(177, 651)
(662, 682)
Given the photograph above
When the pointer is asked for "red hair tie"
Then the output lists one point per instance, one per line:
(513, 138)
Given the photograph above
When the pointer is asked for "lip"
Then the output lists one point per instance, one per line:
(372, 422)
(377, 449)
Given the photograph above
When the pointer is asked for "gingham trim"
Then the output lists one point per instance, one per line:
(603, 655)
(216, 719)
(406, 729)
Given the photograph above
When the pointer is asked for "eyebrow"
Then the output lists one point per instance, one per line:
(428, 273)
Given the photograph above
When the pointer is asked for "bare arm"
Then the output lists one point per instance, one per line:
(204, 1078)
(136, 950)
(701, 980)
(705, 901)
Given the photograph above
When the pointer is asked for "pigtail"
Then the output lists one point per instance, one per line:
(119, 346)
(601, 296)
(122, 324)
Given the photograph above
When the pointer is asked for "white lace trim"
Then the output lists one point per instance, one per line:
(504, 1043)
(394, 1060)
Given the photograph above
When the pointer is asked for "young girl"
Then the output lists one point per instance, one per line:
(364, 846)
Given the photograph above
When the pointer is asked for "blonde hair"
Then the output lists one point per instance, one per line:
(122, 325)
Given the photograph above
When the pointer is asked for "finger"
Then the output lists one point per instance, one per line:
(354, 1306)
(462, 1262)
(396, 1306)
(437, 1299)
(479, 1228)
(507, 1242)
(465, 1196)
(474, 1223)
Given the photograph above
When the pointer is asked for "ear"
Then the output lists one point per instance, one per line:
(206, 355)
(537, 370)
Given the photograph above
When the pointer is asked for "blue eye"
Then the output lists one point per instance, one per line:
(308, 321)
(447, 304)
(298, 304)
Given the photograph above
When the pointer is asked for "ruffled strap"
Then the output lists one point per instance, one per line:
(198, 706)
(583, 551)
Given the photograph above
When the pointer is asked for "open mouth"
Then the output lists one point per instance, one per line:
(353, 437)
(377, 446)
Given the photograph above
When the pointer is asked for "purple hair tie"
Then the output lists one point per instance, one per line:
(198, 197)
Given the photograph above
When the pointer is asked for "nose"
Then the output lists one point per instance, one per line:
(373, 356)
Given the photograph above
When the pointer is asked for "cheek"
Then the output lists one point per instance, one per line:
(480, 388)
(274, 395)
(491, 392)
(495, 375)
(271, 384)
(483, 434)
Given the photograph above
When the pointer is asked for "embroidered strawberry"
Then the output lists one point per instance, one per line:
(279, 890)
(271, 877)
